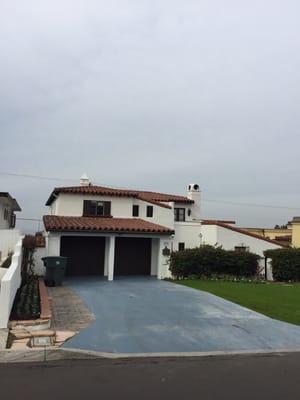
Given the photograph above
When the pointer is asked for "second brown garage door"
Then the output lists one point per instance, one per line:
(133, 256)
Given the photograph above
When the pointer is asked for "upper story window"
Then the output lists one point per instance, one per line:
(135, 210)
(149, 211)
(94, 208)
(179, 214)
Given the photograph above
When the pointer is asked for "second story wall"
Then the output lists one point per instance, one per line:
(121, 207)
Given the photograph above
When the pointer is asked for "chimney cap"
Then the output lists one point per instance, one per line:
(194, 187)
(84, 180)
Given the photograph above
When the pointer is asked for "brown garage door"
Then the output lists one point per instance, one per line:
(85, 254)
(133, 256)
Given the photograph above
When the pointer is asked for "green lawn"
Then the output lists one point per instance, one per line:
(279, 301)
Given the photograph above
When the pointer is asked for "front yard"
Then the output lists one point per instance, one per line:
(276, 300)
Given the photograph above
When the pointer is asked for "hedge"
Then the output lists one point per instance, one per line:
(285, 264)
(206, 261)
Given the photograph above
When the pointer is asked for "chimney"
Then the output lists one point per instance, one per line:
(84, 180)
(193, 193)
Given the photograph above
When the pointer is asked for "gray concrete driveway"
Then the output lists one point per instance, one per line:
(141, 315)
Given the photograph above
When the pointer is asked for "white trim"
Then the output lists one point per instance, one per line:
(111, 258)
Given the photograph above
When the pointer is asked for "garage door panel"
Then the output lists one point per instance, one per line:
(132, 256)
(85, 255)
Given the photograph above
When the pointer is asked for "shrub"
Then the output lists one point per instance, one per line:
(206, 261)
(27, 301)
(285, 264)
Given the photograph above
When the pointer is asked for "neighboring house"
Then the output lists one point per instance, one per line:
(281, 235)
(295, 228)
(8, 206)
(111, 232)
(233, 238)
(9, 236)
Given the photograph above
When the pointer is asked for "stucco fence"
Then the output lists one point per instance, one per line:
(8, 239)
(10, 283)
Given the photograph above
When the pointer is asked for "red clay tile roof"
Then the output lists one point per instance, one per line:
(100, 224)
(213, 221)
(151, 197)
(242, 231)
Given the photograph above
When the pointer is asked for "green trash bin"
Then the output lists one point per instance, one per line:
(55, 270)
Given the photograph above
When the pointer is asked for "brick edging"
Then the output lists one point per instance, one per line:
(44, 301)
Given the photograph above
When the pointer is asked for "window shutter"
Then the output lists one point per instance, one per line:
(107, 209)
(86, 207)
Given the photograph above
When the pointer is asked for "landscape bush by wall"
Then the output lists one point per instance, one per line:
(285, 264)
(206, 261)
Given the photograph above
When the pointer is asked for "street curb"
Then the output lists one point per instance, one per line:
(55, 354)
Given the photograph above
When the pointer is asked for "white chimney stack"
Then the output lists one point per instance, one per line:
(84, 180)
(193, 193)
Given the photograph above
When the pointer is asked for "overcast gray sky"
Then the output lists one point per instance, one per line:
(154, 95)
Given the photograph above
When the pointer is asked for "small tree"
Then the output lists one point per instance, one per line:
(28, 263)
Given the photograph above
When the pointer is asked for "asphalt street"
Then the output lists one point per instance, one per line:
(234, 377)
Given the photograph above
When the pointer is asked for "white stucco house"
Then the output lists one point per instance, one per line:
(9, 235)
(111, 232)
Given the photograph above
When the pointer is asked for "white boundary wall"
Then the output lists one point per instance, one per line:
(8, 240)
(10, 283)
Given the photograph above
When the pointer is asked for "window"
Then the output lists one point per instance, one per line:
(149, 211)
(94, 208)
(179, 214)
(135, 210)
(13, 220)
(181, 246)
(241, 248)
(6, 213)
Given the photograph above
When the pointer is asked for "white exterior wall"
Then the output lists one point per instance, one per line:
(121, 207)
(8, 240)
(72, 205)
(163, 261)
(228, 239)
(53, 244)
(154, 256)
(188, 233)
(161, 215)
(209, 234)
(10, 283)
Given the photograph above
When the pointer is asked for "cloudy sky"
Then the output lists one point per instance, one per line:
(154, 95)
